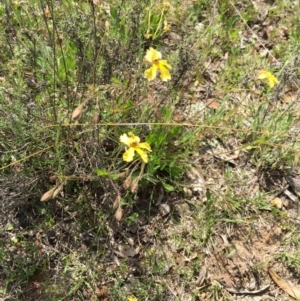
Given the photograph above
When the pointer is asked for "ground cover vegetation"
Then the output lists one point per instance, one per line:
(149, 150)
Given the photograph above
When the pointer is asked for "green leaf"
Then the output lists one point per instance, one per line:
(101, 172)
(154, 20)
(249, 147)
(175, 171)
(115, 80)
(114, 176)
(114, 13)
(104, 173)
(168, 187)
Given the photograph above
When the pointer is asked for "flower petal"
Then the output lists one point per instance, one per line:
(164, 72)
(133, 139)
(147, 36)
(272, 81)
(129, 140)
(150, 73)
(166, 5)
(128, 155)
(125, 139)
(263, 74)
(164, 63)
(166, 26)
(145, 145)
(143, 154)
(152, 55)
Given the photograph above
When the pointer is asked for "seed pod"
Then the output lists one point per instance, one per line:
(127, 183)
(122, 175)
(77, 112)
(134, 185)
(119, 214)
(47, 195)
(117, 202)
(96, 118)
(57, 190)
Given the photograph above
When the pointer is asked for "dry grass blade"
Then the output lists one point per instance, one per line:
(293, 291)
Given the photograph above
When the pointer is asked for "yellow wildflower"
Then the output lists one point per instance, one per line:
(166, 5)
(263, 74)
(154, 57)
(132, 298)
(148, 35)
(166, 26)
(134, 145)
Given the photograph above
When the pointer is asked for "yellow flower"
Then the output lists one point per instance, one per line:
(154, 57)
(132, 298)
(263, 74)
(134, 145)
(166, 26)
(166, 5)
(148, 35)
